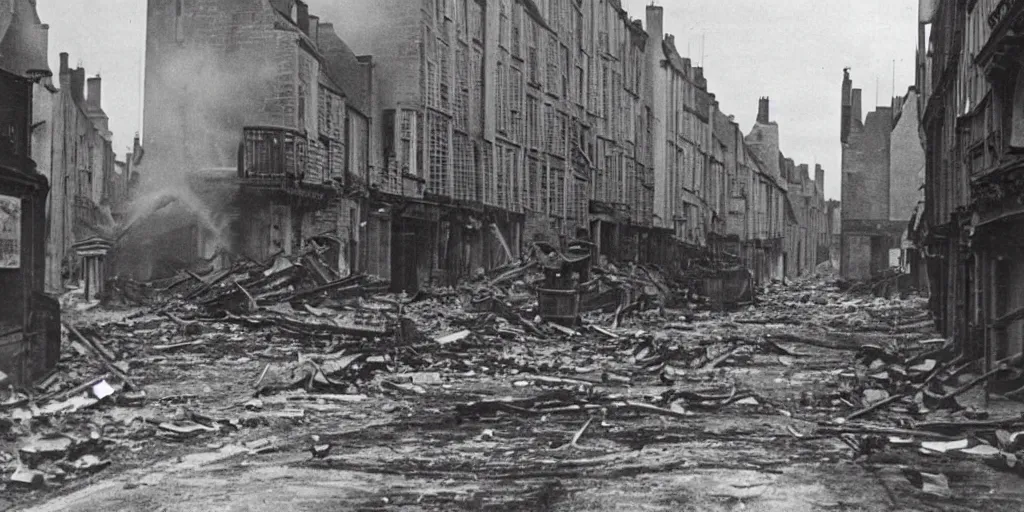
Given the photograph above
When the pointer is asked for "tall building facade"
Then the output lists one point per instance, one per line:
(506, 122)
(29, 319)
(882, 162)
(972, 95)
(468, 129)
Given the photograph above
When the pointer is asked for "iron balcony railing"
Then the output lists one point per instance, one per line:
(284, 154)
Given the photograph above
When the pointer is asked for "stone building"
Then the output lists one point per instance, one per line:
(971, 87)
(29, 319)
(768, 195)
(476, 128)
(505, 122)
(257, 123)
(906, 178)
(868, 235)
(683, 135)
(73, 147)
(807, 239)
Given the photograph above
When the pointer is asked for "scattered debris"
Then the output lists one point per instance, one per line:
(259, 351)
(28, 477)
(937, 484)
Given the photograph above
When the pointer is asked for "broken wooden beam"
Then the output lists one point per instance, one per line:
(103, 359)
(343, 286)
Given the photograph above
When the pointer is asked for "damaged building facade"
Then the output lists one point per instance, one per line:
(504, 123)
(881, 179)
(469, 130)
(807, 234)
(29, 319)
(765, 252)
(972, 97)
(73, 148)
(257, 136)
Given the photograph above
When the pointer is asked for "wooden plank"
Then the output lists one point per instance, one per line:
(1009, 318)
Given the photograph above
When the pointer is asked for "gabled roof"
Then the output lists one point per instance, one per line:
(20, 48)
(283, 6)
(533, 11)
(344, 69)
(790, 212)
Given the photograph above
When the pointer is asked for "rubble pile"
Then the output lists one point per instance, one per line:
(257, 359)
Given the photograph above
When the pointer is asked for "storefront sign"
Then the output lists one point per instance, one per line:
(10, 232)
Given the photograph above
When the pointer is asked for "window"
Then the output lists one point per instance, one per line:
(503, 36)
(581, 88)
(517, 26)
(533, 122)
(534, 56)
(553, 74)
(501, 81)
(476, 21)
(515, 103)
(566, 67)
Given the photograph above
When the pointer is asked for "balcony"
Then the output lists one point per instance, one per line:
(999, 53)
(284, 158)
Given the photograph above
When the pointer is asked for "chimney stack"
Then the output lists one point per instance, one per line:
(44, 42)
(78, 85)
(314, 29)
(819, 179)
(656, 22)
(302, 11)
(64, 63)
(846, 109)
(763, 111)
(96, 92)
(856, 114)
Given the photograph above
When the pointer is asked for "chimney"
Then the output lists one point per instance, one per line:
(656, 22)
(855, 105)
(846, 112)
(77, 85)
(64, 63)
(302, 11)
(314, 29)
(95, 92)
(763, 111)
(44, 42)
(819, 179)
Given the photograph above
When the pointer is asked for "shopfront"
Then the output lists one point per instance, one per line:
(29, 320)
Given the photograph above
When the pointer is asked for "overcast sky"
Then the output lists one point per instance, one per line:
(793, 51)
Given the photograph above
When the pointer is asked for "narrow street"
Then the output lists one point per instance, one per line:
(692, 410)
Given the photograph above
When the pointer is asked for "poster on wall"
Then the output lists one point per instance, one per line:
(10, 232)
